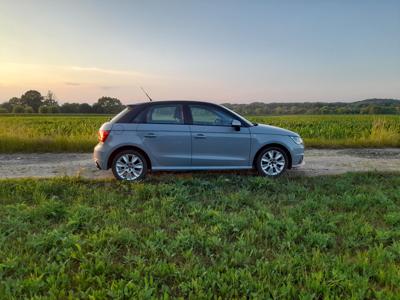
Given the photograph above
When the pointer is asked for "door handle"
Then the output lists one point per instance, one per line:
(150, 135)
(200, 136)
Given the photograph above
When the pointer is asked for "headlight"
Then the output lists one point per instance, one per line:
(298, 140)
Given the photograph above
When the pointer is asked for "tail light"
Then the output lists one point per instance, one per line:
(102, 135)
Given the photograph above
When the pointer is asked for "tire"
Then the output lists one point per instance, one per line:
(272, 162)
(129, 165)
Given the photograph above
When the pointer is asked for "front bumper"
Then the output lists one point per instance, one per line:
(298, 161)
(297, 156)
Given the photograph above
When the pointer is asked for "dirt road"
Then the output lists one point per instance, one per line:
(318, 162)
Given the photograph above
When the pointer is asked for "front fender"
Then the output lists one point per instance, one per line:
(259, 141)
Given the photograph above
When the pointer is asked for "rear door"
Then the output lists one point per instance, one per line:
(215, 143)
(165, 137)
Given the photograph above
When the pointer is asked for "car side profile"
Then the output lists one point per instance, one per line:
(192, 135)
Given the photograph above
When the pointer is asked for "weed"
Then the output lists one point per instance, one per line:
(201, 237)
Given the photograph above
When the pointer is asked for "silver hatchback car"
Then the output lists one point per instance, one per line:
(192, 135)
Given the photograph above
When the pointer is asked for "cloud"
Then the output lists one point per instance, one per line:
(106, 71)
(72, 83)
(108, 87)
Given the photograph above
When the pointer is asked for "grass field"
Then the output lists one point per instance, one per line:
(202, 237)
(77, 133)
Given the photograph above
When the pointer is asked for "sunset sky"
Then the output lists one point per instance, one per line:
(236, 51)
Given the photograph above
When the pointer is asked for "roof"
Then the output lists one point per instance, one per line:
(172, 101)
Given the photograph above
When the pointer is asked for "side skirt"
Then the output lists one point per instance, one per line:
(201, 168)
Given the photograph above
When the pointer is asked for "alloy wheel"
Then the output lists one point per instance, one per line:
(129, 167)
(273, 162)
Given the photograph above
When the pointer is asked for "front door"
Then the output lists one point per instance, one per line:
(165, 137)
(215, 143)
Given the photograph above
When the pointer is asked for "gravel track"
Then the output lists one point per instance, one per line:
(318, 162)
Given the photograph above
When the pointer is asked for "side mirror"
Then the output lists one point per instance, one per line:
(236, 124)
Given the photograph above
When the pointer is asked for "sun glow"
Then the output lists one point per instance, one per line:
(92, 81)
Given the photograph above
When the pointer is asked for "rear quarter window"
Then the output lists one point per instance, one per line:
(120, 115)
(128, 115)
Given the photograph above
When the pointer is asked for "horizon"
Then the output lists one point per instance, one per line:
(60, 101)
(271, 52)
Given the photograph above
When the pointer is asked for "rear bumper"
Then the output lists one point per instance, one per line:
(100, 157)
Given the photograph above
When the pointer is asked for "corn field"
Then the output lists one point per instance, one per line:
(77, 133)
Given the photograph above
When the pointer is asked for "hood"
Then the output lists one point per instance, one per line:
(268, 129)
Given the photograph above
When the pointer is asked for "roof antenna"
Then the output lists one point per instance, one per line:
(146, 94)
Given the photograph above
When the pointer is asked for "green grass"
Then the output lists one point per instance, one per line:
(77, 133)
(201, 238)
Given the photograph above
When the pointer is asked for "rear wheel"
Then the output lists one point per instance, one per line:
(272, 162)
(129, 165)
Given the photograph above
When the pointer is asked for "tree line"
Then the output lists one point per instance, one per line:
(33, 102)
(368, 106)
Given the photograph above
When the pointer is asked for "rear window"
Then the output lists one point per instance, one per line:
(165, 114)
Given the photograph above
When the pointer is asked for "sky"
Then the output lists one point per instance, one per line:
(220, 51)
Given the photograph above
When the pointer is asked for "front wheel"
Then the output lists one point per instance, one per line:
(272, 162)
(129, 165)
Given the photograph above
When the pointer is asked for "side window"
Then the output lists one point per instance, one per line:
(165, 114)
(209, 116)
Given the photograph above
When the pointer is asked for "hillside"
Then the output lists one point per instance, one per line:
(367, 106)
(377, 101)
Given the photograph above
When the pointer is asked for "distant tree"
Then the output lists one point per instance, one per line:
(7, 106)
(32, 98)
(54, 109)
(341, 110)
(312, 111)
(374, 109)
(294, 110)
(18, 109)
(324, 110)
(49, 109)
(15, 101)
(50, 99)
(97, 109)
(44, 109)
(108, 105)
(3, 110)
(278, 110)
(69, 108)
(28, 110)
(85, 108)
(364, 110)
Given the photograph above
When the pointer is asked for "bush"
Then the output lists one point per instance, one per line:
(85, 108)
(28, 110)
(3, 110)
(70, 108)
(46, 109)
(43, 109)
(18, 109)
(53, 109)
